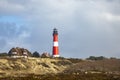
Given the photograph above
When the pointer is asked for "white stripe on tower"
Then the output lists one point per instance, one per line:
(55, 44)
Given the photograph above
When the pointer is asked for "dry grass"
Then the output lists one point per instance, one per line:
(59, 69)
(20, 66)
(107, 66)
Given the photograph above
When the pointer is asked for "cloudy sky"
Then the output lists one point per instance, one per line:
(86, 27)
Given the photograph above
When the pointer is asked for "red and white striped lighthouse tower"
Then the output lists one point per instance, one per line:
(55, 43)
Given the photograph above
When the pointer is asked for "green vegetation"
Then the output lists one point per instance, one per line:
(96, 58)
(36, 54)
(3, 54)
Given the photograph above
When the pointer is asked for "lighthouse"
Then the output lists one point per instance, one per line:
(55, 43)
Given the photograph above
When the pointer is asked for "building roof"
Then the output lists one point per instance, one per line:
(19, 52)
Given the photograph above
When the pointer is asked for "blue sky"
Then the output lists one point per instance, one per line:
(86, 27)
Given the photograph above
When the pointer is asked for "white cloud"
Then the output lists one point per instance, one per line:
(110, 17)
(8, 8)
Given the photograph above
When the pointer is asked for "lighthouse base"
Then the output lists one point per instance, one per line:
(56, 55)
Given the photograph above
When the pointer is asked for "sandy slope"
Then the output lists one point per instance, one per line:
(19, 67)
(37, 66)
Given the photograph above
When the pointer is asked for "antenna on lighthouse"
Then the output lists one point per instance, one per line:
(55, 43)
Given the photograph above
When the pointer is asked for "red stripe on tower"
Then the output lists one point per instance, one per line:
(55, 43)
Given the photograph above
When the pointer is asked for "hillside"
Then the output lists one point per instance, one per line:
(99, 66)
(58, 69)
(22, 66)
